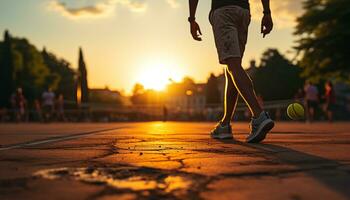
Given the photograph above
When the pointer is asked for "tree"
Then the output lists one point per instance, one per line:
(188, 82)
(323, 31)
(212, 91)
(31, 73)
(62, 75)
(138, 94)
(106, 96)
(276, 78)
(7, 84)
(83, 84)
(23, 65)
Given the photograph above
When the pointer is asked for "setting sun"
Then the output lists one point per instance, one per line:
(157, 76)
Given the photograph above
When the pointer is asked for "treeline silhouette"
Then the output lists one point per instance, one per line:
(323, 31)
(23, 66)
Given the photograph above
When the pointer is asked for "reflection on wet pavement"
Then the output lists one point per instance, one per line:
(124, 178)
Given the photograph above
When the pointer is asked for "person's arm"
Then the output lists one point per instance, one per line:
(195, 29)
(266, 23)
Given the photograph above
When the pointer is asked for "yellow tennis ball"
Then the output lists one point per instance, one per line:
(296, 111)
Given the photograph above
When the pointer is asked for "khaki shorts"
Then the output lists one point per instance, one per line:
(230, 26)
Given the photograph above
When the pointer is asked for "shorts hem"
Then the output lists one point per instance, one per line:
(223, 60)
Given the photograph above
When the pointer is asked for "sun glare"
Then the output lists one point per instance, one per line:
(157, 76)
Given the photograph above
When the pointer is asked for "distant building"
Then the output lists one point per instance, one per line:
(183, 97)
(108, 96)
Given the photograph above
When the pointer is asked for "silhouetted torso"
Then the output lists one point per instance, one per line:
(330, 96)
(221, 3)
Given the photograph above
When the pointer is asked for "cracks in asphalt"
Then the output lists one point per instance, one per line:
(112, 177)
(72, 147)
(227, 151)
(54, 139)
(146, 183)
(110, 150)
(152, 183)
(181, 162)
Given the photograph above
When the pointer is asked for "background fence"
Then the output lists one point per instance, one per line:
(112, 113)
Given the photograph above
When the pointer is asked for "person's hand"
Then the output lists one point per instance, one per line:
(266, 24)
(196, 31)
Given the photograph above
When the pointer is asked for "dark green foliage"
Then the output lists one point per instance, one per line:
(22, 65)
(83, 78)
(212, 91)
(324, 31)
(62, 77)
(276, 78)
(31, 74)
(7, 70)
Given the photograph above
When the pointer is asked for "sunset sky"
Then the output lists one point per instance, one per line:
(129, 41)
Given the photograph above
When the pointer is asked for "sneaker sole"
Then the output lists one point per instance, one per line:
(262, 132)
(222, 136)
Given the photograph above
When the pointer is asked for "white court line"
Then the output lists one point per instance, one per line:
(56, 139)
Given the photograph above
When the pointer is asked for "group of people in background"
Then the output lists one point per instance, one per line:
(42, 110)
(312, 99)
(50, 107)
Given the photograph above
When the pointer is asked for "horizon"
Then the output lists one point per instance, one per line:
(121, 57)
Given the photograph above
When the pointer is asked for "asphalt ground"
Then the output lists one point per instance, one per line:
(173, 160)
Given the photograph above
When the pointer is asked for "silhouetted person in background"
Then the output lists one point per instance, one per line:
(311, 100)
(19, 102)
(330, 100)
(60, 108)
(48, 105)
(37, 111)
(230, 20)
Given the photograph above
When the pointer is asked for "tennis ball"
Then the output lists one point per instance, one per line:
(296, 111)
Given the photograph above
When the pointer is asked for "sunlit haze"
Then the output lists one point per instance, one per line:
(127, 42)
(157, 74)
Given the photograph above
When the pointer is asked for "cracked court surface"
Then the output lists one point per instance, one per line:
(173, 160)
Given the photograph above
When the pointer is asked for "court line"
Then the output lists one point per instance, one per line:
(55, 139)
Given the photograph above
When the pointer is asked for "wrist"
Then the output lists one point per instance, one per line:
(191, 19)
(267, 12)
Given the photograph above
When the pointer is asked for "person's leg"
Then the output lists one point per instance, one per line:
(244, 85)
(308, 111)
(330, 116)
(230, 27)
(329, 112)
(230, 99)
(312, 114)
(313, 107)
(223, 129)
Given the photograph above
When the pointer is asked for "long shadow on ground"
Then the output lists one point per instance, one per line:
(332, 174)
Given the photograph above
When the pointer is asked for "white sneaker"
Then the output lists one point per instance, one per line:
(222, 132)
(260, 127)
